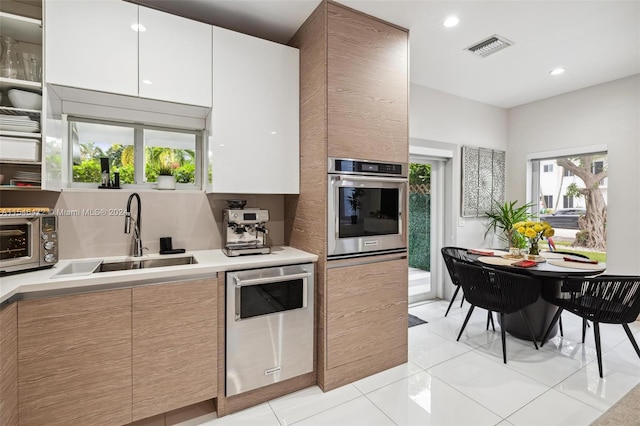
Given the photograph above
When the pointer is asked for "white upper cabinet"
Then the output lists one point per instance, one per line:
(91, 45)
(175, 58)
(254, 124)
(118, 47)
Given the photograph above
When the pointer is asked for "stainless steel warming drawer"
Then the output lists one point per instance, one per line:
(269, 326)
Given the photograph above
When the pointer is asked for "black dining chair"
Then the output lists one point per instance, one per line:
(450, 255)
(582, 256)
(497, 291)
(607, 299)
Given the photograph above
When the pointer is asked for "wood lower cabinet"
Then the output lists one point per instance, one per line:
(366, 320)
(174, 345)
(9, 365)
(74, 359)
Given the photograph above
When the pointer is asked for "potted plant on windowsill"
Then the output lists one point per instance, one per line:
(503, 217)
(166, 178)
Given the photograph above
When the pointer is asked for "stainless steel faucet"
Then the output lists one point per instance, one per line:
(137, 225)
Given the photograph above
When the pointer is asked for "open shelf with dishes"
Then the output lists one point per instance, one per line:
(20, 102)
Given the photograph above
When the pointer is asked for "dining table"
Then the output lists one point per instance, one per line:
(550, 268)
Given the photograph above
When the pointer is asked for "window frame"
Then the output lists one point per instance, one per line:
(139, 162)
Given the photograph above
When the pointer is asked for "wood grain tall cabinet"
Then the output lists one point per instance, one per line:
(353, 104)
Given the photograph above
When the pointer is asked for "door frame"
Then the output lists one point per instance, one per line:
(437, 200)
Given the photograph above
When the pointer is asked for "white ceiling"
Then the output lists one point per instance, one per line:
(596, 41)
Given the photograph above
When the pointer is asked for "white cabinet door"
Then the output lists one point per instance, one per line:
(91, 45)
(254, 144)
(175, 58)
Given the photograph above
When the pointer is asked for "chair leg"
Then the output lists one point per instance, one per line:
(596, 334)
(462, 301)
(504, 338)
(556, 317)
(466, 320)
(633, 340)
(490, 320)
(584, 328)
(560, 325)
(526, 320)
(455, 293)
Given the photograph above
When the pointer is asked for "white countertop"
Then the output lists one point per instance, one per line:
(209, 263)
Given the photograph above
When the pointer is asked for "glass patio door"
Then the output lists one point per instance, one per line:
(424, 181)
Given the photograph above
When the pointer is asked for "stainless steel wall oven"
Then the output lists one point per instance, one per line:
(367, 203)
(269, 326)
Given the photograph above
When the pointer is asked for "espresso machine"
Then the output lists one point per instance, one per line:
(244, 231)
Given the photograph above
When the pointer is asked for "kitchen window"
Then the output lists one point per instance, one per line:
(137, 152)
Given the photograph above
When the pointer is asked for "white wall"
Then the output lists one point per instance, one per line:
(438, 116)
(606, 114)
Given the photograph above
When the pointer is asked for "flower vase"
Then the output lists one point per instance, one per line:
(533, 248)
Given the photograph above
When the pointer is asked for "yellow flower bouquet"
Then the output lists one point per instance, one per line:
(534, 231)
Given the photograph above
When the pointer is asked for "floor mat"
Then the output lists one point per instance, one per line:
(414, 320)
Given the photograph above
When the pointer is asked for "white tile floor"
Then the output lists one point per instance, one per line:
(419, 283)
(465, 383)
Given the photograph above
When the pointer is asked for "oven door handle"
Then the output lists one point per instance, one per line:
(267, 280)
(370, 178)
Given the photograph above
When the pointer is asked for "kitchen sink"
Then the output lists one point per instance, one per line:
(145, 264)
(83, 267)
(87, 267)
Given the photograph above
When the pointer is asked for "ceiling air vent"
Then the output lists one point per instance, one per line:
(489, 46)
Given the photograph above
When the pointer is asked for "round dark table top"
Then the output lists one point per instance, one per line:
(544, 269)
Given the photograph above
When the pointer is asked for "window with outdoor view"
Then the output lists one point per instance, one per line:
(573, 199)
(139, 153)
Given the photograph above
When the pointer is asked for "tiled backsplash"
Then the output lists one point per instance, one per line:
(92, 223)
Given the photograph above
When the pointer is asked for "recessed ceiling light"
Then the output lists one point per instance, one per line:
(556, 71)
(451, 21)
(138, 28)
(145, 81)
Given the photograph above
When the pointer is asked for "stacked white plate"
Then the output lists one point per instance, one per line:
(18, 123)
(33, 177)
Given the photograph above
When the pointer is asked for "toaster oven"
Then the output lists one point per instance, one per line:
(28, 241)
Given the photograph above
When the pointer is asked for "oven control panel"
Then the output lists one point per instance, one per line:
(341, 165)
(49, 239)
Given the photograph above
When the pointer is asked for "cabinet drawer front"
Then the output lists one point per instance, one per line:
(174, 346)
(74, 359)
(366, 310)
